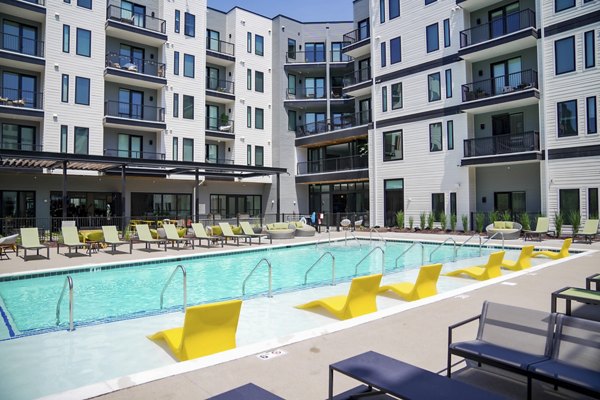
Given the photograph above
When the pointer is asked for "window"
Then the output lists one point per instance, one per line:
(560, 5)
(291, 49)
(394, 8)
(292, 85)
(314, 52)
(189, 25)
(590, 56)
(590, 109)
(259, 45)
(435, 137)
(175, 149)
(433, 39)
(175, 105)
(259, 115)
(188, 149)
(249, 42)
(259, 81)
(248, 154)
(392, 146)
(383, 55)
(64, 96)
(568, 201)
(437, 205)
(450, 134)
(66, 38)
(18, 137)
(384, 98)
(395, 51)
(513, 202)
(593, 203)
(291, 120)
(84, 41)
(259, 156)
(447, 34)
(429, 1)
(453, 204)
(393, 199)
(82, 91)
(82, 136)
(189, 65)
(249, 117)
(382, 11)
(363, 29)
(85, 3)
(64, 136)
(176, 63)
(567, 118)
(336, 53)
(396, 96)
(564, 55)
(448, 83)
(188, 108)
(433, 85)
(177, 20)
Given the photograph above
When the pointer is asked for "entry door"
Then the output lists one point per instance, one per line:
(394, 200)
(504, 20)
(131, 55)
(365, 111)
(213, 40)
(212, 117)
(131, 104)
(212, 153)
(506, 75)
(212, 77)
(364, 67)
(19, 87)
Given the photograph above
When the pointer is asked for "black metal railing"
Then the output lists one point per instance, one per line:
(140, 20)
(337, 92)
(356, 36)
(22, 45)
(302, 93)
(21, 98)
(220, 85)
(146, 155)
(38, 2)
(213, 160)
(134, 111)
(7, 144)
(220, 46)
(338, 56)
(301, 57)
(344, 122)
(504, 84)
(498, 27)
(333, 164)
(132, 64)
(358, 76)
(220, 124)
(502, 144)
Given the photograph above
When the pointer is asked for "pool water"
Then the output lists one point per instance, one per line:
(103, 294)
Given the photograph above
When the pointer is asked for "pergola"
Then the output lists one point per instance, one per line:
(38, 160)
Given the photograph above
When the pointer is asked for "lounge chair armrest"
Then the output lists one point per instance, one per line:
(459, 324)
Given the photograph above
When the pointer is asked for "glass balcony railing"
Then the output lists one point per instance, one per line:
(220, 46)
(498, 27)
(22, 45)
(132, 64)
(500, 85)
(129, 17)
(134, 111)
(341, 122)
(347, 163)
(502, 144)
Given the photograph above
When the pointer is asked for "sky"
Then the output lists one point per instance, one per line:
(302, 10)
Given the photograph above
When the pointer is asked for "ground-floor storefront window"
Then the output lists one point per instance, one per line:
(162, 205)
(350, 197)
(86, 204)
(230, 205)
(17, 204)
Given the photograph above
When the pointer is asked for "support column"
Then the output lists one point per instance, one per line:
(64, 191)
(278, 197)
(123, 188)
(196, 198)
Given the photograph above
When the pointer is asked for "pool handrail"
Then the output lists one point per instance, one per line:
(162, 294)
(316, 262)
(368, 254)
(490, 238)
(407, 250)
(254, 269)
(353, 235)
(328, 240)
(443, 243)
(466, 241)
(378, 234)
(69, 283)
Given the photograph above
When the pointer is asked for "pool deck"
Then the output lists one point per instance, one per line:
(417, 335)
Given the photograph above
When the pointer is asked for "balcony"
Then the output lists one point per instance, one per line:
(358, 83)
(502, 148)
(220, 127)
(336, 56)
(134, 71)
(220, 90)
(146, 155)
(332, 130)
(14, 145)
(139, 28)
(310, 93)
(509, 34)
(15, 103)
(333, 164)
(120, 114)
(213, 160)
(357, 42)
(21, 52)
(33, 10)
(219, 52)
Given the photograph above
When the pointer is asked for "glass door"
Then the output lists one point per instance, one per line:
(212, 117)
(213, 40)
(365, 111)
(212, 155)
(212, 78)
(504, 20)
(131, 104)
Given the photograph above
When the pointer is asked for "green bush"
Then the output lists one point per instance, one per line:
(422, 218)
(479, 221)
(558, 223)
(453, 222)
(430, 221)
(494, 216)
(443, 221)
(525, 222)
(465, 222)
(507, 216)
(411, 222)
(400, 219)
(574, 218)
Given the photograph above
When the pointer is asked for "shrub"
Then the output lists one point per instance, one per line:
(494, 216)
(400, 219)
(411, 222)
(465, 222)
(558, 223)
(524, 220)
(422, 218)
(479, 221)
(453, 222)
(507, 216)
(430, 221)
(443, 221)
(574, 218)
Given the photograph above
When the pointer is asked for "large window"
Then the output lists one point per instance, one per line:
(567, 118)
(433, 87)
(433, 37)
(435, 137)
(17, 204)
(383, 55)
(450, 134)
(130, 146)
(188, 107)
(291, 120)
(392, 146)
(437, 205)
(568, 201)
(447, 34)
(84, 42)
(64, 138)
(395, 50)
(214, 40)
(259, 81)
(66, 39)
(230, 205)
(18, 137)
(564, 55)
(291, 84)
(259, 156)
(189, 65)
(363, 29)
(314, 52)
(259, 116)
(64, 96)
(188, 149)
(593, 203)
(448, 74)
(560, 5)
(291, 49)
(82, 140)
(513, 202)
(82, 90)
(190, 25)
(171, 205)
(85, 3)
(397, 96)
(393, 199)
(589, 49)
(591, 115)
(259, 45)
(384, 99)
(394, 6)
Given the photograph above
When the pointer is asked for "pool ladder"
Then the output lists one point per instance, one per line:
(316, 262)
(68, 283)
(368, 254)
(353, 236)
(378, 234)
(162, 294)
(252, 272)
(407, 250)
(443, 243)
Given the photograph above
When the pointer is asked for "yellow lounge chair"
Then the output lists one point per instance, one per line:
(145, 236)
(589, 231)
(564, 251)
(425, 285)
(71, 239)
(173, 236)
(207, 329)
(200, 234)
(483, 272)
(111, 238)
(30, 240)
(523, 262)
(228, 234)
(361, 299)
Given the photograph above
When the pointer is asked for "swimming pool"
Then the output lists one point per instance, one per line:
(115, 292)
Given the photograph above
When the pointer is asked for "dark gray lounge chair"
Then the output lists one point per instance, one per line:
(248, 391)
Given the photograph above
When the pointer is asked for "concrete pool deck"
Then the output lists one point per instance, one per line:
(302, 373)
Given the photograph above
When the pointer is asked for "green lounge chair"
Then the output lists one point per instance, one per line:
(541, 228)
(71, 239)
(228, 233)
(145, 236)
(200, 234)
(173, 236)
(248, 231)
(589, 231)
(30, 240)
(111, 238)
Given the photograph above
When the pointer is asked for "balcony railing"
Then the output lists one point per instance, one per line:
(220, 85)
(220, 46)
(8, 144)
(38, 2)
(134, 111)
(21, 98)
(358, 76)
(220, 124)
(333, 164)
(146, 155)
(504, 84)
(356, 36)
(502, 144)
(498, 27)
(132, 64)
(337, 92)
(23, 45)
(338, 56)
(330, 125)
(301, 93)
(140, 20)
(213, 160)
(301, 57)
